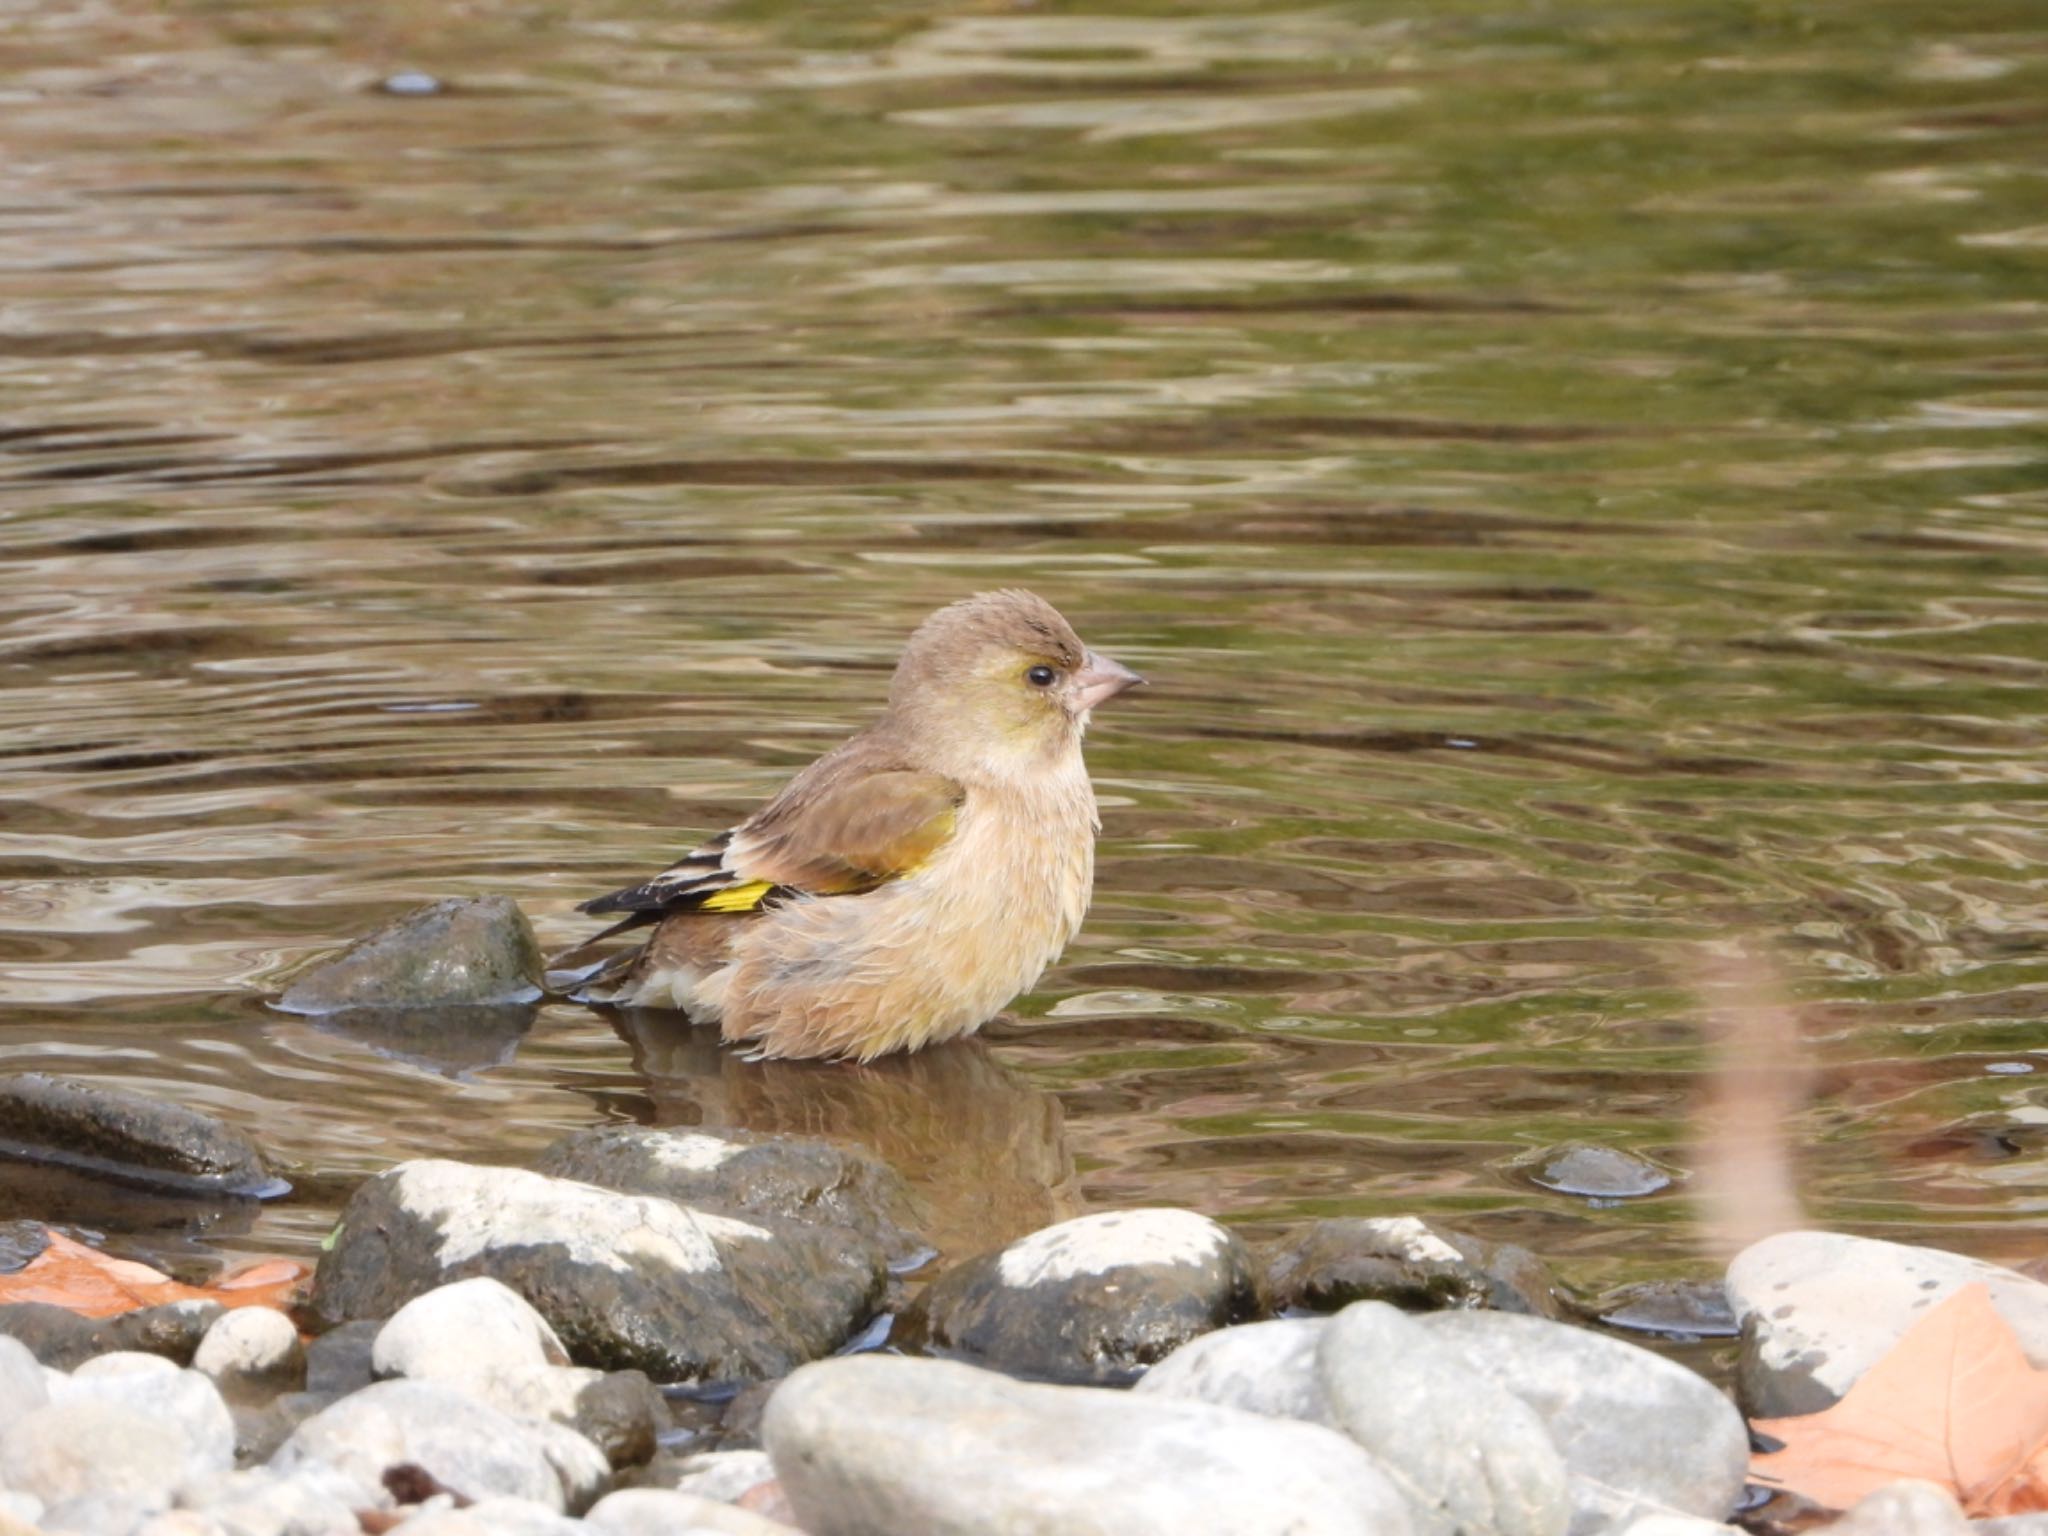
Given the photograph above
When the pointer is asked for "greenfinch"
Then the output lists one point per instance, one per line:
(910, 882)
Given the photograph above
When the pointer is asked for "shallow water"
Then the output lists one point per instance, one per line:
(1574, 475)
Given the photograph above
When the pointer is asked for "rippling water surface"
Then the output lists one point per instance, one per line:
(1575, 475)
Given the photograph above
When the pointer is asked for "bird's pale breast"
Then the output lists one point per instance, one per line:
(934, 954)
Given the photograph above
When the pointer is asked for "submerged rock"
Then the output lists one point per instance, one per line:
(1674, 1309)
(460, 951)
(1596, 1172)
(1410, 1263)
(626, 1281)
(1818, 1309)
(130, 1136)
(878, 1446)
(1092, 1300)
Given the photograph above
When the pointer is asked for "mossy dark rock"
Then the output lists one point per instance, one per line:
(1092, 1301)
(461, 951)
(128, 1136)
(1408, 1262)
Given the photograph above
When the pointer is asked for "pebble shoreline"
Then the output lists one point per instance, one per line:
(670, 1331)
(498, 1342)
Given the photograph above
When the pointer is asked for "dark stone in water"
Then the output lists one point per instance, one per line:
(1679, 1309)
(460, 951)
(63, 1339)
(1599, 1173)
(1092, 1301)
(738, 1173)
(1409, 1262)
(20, 1242)
(130, 1137)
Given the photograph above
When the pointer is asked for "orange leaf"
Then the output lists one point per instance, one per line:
(93, 1284)
(1954, 1402)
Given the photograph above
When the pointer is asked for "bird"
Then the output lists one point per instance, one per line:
(909, 883)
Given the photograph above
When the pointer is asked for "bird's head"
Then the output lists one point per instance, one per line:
(1002, 679)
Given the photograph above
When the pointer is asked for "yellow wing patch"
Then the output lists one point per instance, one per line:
(738, 898)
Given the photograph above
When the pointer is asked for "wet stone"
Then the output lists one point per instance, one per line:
(1410, 1263)
(1671, 1309)
(873, 1445)
(1595, 1172)
(737, 1173)
(1818, 1309)
(1093, 1300)
(131, 1136)
(627, 1282)
(460, 951)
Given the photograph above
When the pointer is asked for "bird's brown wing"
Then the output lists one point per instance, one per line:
(839, 828)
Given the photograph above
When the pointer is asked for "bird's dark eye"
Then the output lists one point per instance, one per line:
(1041, 676)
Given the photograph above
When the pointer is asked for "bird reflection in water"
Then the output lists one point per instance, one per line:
(983, 1151)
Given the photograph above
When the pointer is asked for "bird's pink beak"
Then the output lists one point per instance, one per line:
(1101, 679)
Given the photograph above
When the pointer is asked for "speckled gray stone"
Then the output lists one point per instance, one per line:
(1818, 1309)
(627, 1282)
